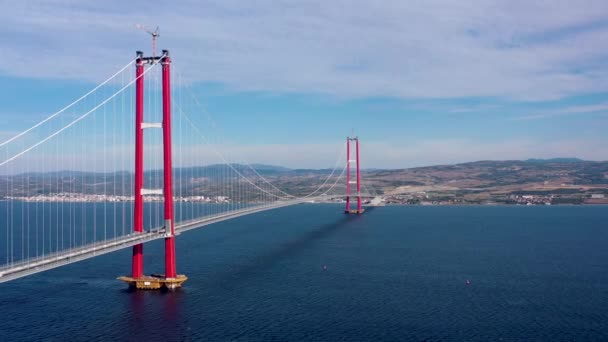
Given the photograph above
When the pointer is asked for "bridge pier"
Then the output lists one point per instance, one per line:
(155, 282)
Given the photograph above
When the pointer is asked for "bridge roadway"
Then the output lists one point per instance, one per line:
(54, 260)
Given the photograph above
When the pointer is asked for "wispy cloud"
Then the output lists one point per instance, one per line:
(449, 151)
(472, 108)
(373, 154)
(433, 49)
(481, 61)
(571, 110)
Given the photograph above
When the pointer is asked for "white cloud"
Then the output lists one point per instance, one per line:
(570, 110)
(374, 154)
(517, 49)
(419, 49)
(452, 151)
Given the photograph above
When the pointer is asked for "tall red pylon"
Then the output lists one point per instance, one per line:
(357, 180)
(137, 268)
(170, 280)
(170, 270)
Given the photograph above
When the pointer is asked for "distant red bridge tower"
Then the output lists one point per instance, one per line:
(169, 280)
(357, 180)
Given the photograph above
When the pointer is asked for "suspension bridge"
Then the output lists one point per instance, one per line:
(135, 160)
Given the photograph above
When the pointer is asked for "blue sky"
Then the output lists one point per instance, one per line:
(421, 83)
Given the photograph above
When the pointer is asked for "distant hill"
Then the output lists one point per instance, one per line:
(555, 160)
(570, 180)
(481, 179)
(271, 168)
(494, 173)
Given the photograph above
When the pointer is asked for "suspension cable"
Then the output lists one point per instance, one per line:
(210, 118)
(68, 106)
(75, 120)
(327, 179)
(221, 155)
(197, 130)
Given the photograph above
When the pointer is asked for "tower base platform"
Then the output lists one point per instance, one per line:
(354, 211)
(154, 282)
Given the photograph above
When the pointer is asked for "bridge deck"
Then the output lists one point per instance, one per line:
(50, 261)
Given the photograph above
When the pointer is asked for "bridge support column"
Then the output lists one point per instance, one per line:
(170, 268)
(347, 210)
(359, 209)
(357, 181)
(137, 268)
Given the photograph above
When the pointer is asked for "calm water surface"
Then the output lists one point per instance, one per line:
(309, 272)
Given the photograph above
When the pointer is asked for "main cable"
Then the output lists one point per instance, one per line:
(70, 105)
(75, 120)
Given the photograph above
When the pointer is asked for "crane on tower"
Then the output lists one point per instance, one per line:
(155, 34)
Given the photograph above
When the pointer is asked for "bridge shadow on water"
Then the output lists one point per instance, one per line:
(171, 304)
(258, 263)
(233, 273)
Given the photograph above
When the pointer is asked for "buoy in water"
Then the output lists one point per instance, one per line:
(468, 282)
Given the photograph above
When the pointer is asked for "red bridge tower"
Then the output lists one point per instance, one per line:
(349, 161)
(169, 280)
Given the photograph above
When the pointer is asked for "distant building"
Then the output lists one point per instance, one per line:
(596, 199)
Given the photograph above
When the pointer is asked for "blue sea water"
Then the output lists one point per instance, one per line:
(311, 273)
